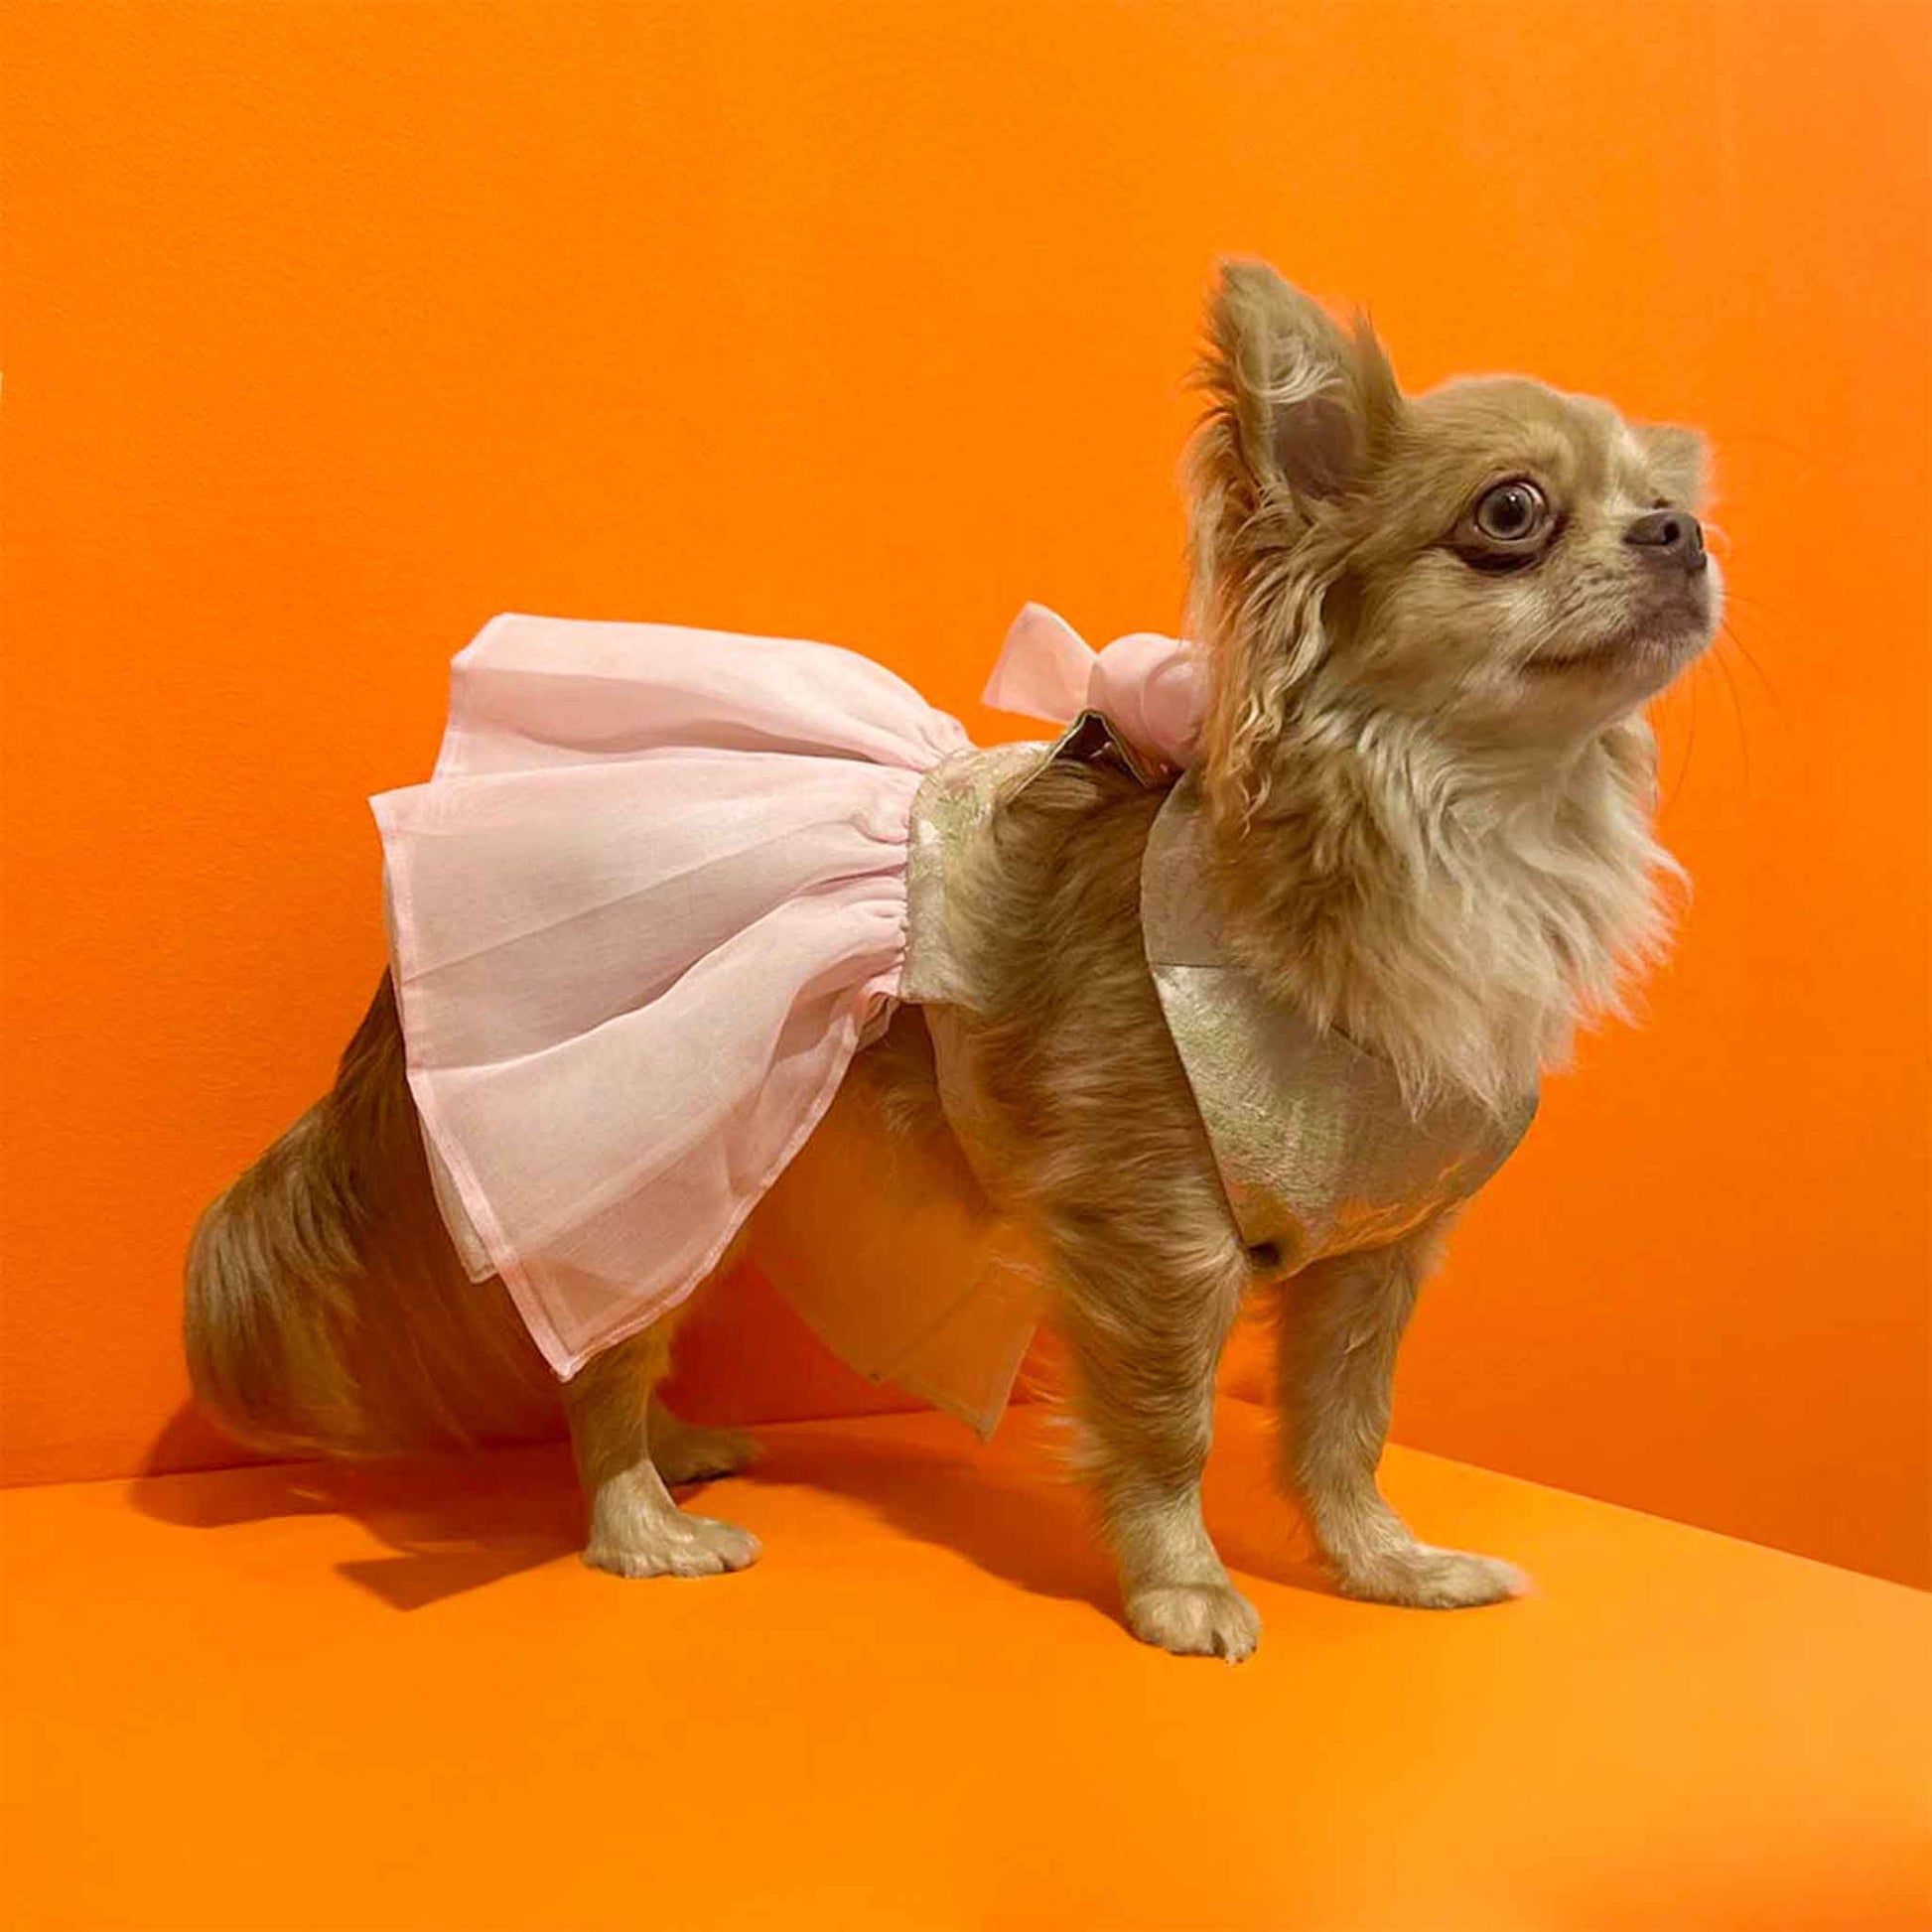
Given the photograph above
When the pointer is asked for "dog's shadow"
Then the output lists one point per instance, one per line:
(451, 1524)
(1016, 1518)
(1024, 1517)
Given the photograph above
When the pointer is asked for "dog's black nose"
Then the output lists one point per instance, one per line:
(1674, 536)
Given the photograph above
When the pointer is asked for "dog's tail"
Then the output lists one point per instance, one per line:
(327, 1313)
(268, 1301)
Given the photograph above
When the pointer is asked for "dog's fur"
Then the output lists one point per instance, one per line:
(1430, 785)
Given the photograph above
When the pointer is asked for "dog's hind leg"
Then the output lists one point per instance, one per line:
(636, 1529)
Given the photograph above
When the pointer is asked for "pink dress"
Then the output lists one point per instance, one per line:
(645, 914)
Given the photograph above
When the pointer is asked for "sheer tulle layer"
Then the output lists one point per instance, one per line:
(640, 919)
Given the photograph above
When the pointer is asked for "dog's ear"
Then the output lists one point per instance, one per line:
(1299, 405)
(1300, 409)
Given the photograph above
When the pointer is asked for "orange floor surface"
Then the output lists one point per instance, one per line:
(391, 1697)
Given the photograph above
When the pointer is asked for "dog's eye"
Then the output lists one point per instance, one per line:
(1512, 512)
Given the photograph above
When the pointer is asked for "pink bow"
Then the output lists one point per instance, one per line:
(1152, 689)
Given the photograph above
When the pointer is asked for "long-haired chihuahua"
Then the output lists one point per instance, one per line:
(1432, 624)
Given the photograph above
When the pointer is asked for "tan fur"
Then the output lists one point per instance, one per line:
(1429, 784)
(327, 1311)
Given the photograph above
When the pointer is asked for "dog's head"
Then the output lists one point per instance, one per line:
(1495, 564)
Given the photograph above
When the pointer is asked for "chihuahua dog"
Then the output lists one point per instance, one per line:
(1431, 624)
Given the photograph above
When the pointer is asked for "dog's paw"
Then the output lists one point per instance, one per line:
(1426, 1578)
(686, 1454)
(675, 1545)
(1196, 1620)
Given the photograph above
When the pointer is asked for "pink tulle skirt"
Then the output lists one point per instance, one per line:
(641, 919)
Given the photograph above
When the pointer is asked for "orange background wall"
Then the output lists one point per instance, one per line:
(332, 329)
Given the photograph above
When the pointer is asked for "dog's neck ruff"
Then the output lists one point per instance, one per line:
(1318, 1150)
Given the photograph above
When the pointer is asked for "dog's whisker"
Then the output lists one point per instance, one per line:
(1728, 635)
(1689, 706)
(1723, 668)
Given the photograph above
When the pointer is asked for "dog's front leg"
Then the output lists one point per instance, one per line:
(1147, 1304)
(1341, 1324)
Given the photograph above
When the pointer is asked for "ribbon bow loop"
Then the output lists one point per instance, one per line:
(1152, 689)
